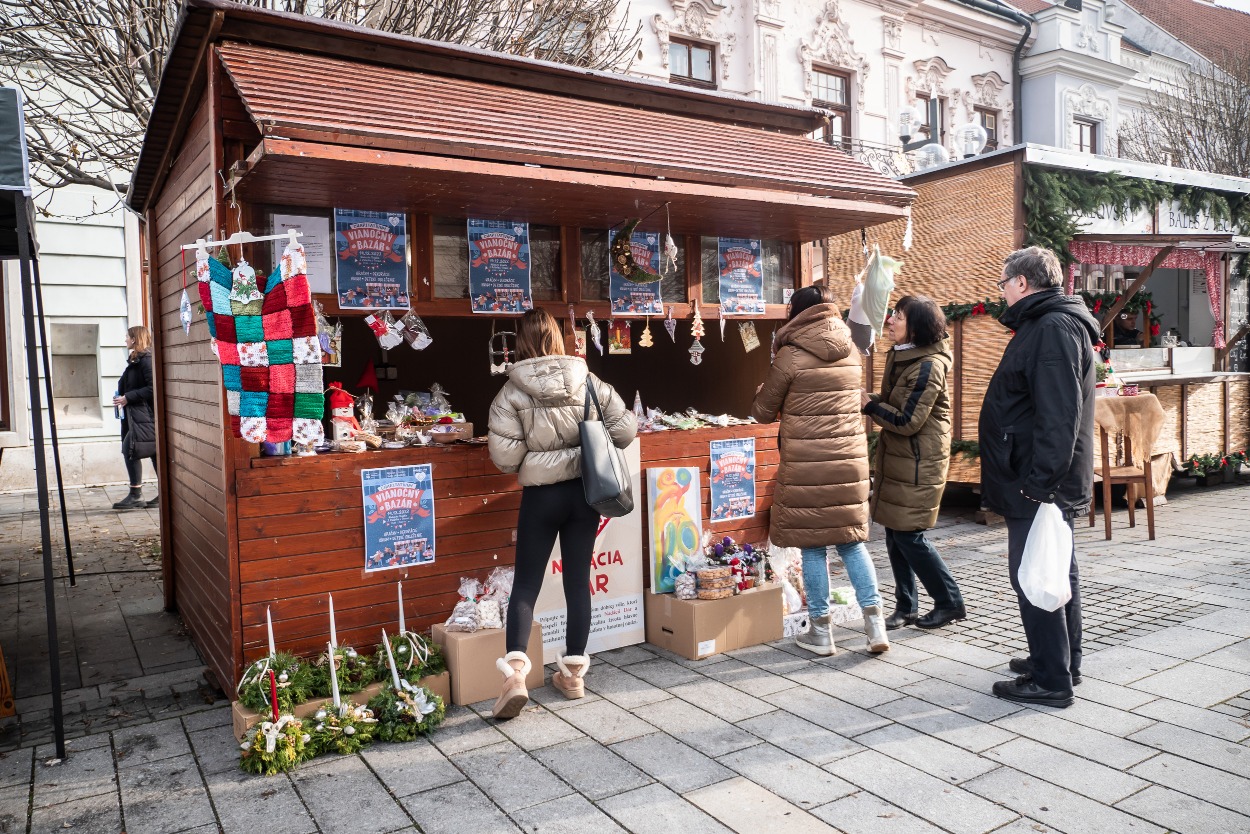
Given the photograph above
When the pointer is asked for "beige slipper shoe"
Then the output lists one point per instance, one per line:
(514, 666)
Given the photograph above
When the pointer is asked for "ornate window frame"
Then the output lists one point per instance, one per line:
(832, 46)
(986, 93)
(930, 78)
(695, 19)
(1085, 101)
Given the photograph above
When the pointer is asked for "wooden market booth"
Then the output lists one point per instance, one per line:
(261, 112)
(970, 214)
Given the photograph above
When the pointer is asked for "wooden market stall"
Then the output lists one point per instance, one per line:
(970, 214)
(261, 113)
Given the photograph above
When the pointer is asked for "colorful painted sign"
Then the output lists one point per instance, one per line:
(628, 298)
(676, 522)
(732, 479)
(616, 617)
(399, 516)
(499, 267)
(741, 276)
(372, 259)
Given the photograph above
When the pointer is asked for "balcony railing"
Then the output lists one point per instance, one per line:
(888, 160)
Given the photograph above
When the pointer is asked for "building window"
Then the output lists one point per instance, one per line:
(1086, 136)
(989, 120)
(832, 91)
(922, 112)
(691, 63)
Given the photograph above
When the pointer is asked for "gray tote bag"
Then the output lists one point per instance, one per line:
(604, 474)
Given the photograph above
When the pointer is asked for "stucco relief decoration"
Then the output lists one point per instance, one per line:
(694, 19)
(1085, 101)
(772, 8)
(892, 31)
(1087, 38)
(831, 44)
(987, 92)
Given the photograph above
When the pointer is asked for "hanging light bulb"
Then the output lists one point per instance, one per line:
(931, 156)
(970, 139)
(907, 123)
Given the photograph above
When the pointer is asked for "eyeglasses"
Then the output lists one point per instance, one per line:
(1005, 281)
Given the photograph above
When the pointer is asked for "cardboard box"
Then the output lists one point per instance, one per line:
(244, 719)
(471, 657)
(699, 628)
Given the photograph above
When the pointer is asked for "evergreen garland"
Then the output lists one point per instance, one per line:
(416, 657)
(404, 714)
(291, 748)
(295, 683)
(346, 733)
(355, 672)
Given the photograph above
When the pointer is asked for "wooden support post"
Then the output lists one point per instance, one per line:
(1221, 355)
(1138, 283)
(1184, 415)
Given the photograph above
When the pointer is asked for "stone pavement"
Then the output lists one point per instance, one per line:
(773, 739)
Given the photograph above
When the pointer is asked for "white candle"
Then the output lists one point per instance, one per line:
(401, 607)
(334, 678)
(334, 637)
(390, 660)
(269, 625)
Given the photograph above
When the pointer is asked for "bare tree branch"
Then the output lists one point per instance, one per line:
(90, 68)
(1197, 120)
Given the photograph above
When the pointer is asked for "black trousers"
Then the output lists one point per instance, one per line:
(911, 556)
(1054, 636)
(134, 466)
(547, 512)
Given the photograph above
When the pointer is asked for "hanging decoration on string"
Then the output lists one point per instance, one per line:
(645, 340)
(670, 247)
(670, 324)
(907, 235)
(579, 336)
(414, 331)
(622, 254)
(750, 339)
(722, 330)
(596, 336)
(499, 351)
(184, 304)
(696, 330)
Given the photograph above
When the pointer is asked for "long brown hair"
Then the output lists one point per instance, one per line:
(142, 339)
(538, 334)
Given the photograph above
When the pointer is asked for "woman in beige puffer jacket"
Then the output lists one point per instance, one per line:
(821, 493)
(534, 430)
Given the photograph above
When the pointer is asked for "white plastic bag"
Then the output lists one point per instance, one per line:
(1047, 560)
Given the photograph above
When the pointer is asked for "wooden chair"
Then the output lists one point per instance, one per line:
(1128, 475)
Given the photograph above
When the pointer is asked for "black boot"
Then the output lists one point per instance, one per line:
(154, 502)
(133, 501)
(939, 617)
(898, 619)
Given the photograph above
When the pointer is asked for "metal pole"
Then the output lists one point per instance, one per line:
(56, 446)
(25, 256)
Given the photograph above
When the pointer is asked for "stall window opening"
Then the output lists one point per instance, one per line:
(692, 63)
(451, 260)
(777, 261)
(595, 283)
(832, 91)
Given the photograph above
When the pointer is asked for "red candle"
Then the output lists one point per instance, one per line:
(273, 693)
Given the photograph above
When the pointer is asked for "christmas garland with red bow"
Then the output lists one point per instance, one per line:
(1099, 303)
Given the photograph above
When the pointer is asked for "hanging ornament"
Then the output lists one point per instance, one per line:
(670, 248)
(638, 410)
(184, 312)
(907, 235)
(645, 339)
(696, 352)
(750, 339)
(696, 326)
(622, 254)
(243, 288)
(414, 331)
(499, 351)
(670, 324)
(722, 329)
(596, 336)
(863, 241)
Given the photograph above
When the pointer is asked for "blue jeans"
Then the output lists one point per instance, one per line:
(858, 566)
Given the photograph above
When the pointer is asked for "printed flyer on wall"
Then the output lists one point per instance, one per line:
(399, 516)
(634, 299)
(615, 581)
(741, 276)
(499, 266)
(676, 522)
(315, 238)
(732, 477)
(372, 264)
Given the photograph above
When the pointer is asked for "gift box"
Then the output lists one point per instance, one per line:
(699, 628)
(471, 657)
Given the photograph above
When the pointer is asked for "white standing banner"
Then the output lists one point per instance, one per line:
(615, 581)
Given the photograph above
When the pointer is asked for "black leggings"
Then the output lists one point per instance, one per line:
(546, 512)
(134, 468)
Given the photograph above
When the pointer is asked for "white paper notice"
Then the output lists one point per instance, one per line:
(317, 242)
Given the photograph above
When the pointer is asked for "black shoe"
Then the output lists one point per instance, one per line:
(155, 502)
(1023, 691)
(939, 617)
(130, 502)
(1021, 666)
(897, 620)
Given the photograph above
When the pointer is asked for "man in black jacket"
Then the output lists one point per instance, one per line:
(1037, 447)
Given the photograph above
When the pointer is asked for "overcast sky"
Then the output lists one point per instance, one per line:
(1240, 5)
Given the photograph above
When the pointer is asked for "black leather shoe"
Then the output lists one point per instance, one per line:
(1022, 666)
(153, 502)
(1023, 691)
(939, 617)
(897, 620)
(130, 502)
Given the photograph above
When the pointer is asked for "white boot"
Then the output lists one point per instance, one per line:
(817, 638)
(514, 666)
(874, 627)
(572, 669)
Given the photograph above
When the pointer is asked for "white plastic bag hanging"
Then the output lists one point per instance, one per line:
(1047, 560)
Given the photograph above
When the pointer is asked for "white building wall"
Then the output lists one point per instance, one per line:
(90, 274)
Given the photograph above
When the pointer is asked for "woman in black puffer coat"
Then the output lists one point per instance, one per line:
(134, 401)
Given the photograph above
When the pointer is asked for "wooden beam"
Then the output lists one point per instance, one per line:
(1228, 416)
(1184, 415)
(957, 404)
(1221, 355)
(1138, 283)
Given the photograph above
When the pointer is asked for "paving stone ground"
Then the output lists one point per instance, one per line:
(763, 739)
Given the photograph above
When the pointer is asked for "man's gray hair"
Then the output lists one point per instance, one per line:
(1039, 267)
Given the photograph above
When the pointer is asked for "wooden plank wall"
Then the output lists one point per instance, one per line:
(189, 390)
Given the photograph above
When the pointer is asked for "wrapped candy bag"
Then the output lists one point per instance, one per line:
(488, 613)
(499, 590)
(466, 616)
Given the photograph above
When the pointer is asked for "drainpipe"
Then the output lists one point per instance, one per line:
(990, 7)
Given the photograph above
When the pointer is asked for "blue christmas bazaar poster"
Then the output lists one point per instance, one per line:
(499, 266)
(732, 479)
(629, 298)
(741, 276)
(399, 516)
(371, 263)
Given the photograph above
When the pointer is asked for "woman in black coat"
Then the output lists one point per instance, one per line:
(134, 404)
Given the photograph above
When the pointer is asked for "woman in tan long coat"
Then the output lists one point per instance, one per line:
(913, 455)
(821, 496)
